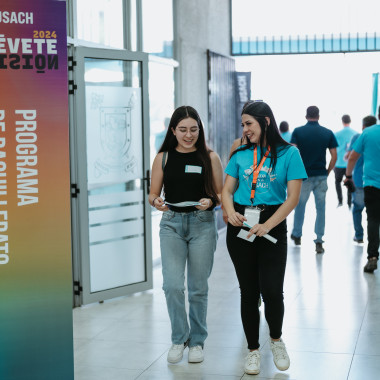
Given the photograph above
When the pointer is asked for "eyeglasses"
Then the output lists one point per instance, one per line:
(192, 130)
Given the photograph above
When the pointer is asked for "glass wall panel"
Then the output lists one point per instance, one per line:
(158, 27)
(114, 173)
(161, 103)
(100, 21)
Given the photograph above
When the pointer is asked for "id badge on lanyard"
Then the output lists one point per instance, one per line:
(253, 215)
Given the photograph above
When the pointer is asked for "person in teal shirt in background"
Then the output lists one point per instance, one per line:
(284, 131)
(343, 137)
(368, 145)
(358, 195)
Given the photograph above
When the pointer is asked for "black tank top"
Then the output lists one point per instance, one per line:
(184, 179)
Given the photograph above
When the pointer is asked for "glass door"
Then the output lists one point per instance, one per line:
(111, 135)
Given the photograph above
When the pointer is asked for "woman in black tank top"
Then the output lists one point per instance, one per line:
(191, 178)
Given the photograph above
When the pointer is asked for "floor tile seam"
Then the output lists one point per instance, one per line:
(129, 319)
(210, 345)
(107, 367)
(267, 350)
(146, 368)
(365, 332)
(220, 376)
(204, 371)
(348, 330)
(232, 324)
(101, 332)
(106, 318)
(88, 341)
(372, 355)
(134, 341)
(329, 310)
(87, 317)
(95, 366)
(293, 301)
(143, 369)
(357, 340)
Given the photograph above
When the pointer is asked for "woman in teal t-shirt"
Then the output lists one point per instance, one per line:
(268, 174)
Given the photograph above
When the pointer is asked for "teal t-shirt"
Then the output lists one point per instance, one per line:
(271, 184)
(368, 145)
(343, 137)
(286, 136)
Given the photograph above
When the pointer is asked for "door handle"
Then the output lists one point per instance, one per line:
(147, 179)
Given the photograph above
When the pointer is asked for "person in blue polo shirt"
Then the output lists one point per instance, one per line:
(343, 137)
(358, 195)
(313, 140)
(368, 145)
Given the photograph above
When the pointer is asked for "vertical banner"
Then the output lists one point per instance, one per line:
(36, 340)
(375, 94)
(243, 94)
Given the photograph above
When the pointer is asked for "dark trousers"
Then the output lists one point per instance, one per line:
(260, 269)
(372, 204)
(339, 173)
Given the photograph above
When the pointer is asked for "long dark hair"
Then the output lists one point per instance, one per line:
(202, 151)
(269, 132)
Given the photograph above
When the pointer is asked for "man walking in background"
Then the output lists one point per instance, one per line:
(368, 145)
(343, 137)
(358, 195)
(313, 140)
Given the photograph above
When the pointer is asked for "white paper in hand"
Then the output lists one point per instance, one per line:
(183, 204)
(243, 235)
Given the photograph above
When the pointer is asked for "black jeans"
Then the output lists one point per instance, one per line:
(339, 173)
(372, 204)
(260, 269)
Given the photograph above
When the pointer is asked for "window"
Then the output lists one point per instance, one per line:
(158, 27)
(100, 21)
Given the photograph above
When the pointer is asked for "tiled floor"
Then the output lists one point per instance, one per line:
(331, 327)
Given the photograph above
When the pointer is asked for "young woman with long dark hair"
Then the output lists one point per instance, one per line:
(268, 174)
(188, 171)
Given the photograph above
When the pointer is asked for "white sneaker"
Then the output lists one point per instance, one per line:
(196, 354)
(280, 356)
(252, 363)
(175, 353)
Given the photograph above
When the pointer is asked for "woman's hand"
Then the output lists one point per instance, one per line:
(205, 203)
(236, 219)
(258, 230)
(159, 204)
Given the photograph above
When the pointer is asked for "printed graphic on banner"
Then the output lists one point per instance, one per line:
(35, 232)
(113, 134)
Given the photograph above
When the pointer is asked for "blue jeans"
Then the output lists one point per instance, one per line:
(358, 207)
(317, 185)
(187, 238)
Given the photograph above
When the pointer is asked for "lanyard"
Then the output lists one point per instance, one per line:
(256, 170)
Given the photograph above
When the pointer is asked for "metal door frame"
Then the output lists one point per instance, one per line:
(80, 219)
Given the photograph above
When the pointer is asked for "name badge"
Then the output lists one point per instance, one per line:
(193, 169)
(252, 215)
